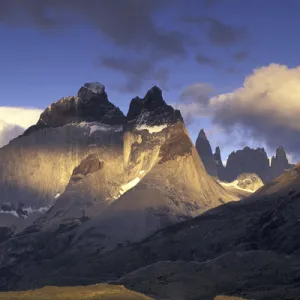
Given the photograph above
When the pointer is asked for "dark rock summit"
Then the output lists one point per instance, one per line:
(90, 105)
(204, 149)
(152, 110)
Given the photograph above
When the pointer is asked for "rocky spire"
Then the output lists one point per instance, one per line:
(219, 163)
(279, 163)
(217, 156)
(205, 152)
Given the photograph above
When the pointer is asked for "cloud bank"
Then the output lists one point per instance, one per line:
(14, 120)
(266, 107)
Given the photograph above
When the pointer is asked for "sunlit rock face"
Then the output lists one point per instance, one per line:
(146, 177)
(105, 175)
(37, 166)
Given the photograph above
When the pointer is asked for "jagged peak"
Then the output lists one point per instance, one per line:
(154, 95)
(92, 92)
(247, 148)
(202, 134)
(218, 150)
(151, 110)
(280, 151)
(95, 87)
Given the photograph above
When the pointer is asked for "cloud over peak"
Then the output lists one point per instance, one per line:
(267, 107)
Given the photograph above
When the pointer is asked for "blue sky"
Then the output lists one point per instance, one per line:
(42, 61)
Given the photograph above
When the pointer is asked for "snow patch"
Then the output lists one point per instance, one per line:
(11, 212)
(152, 129)
(129, 185)
(141, 124)
(29, 210)
(96, 126)
(234, 184)
(57, 195)
(95, 87)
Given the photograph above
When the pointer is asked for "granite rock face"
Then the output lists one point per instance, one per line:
(248, 161)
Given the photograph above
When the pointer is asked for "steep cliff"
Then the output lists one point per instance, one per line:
(248, 161)
(219, 163)
(279, 163)
(204, 150)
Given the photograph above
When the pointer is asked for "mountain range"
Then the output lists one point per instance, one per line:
(247, 160)
(89, 196)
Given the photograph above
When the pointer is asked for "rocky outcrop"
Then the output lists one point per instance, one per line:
(248, 181)
(204, 150)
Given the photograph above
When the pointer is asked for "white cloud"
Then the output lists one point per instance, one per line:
(267, 107)
(14, 120)
(271, 94)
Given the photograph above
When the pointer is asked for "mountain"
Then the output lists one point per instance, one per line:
(150, 158)
(246, 160)
(101, 180)
(204, 150)
(139, 209)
